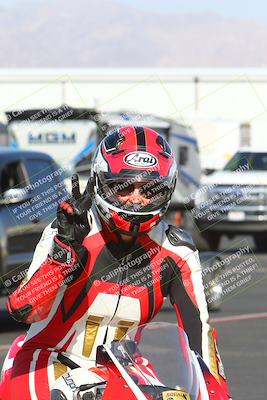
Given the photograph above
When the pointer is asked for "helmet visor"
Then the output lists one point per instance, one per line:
(137, 192)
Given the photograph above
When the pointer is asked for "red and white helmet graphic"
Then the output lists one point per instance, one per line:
(127, 158)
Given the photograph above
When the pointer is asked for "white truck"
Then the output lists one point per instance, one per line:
(234, 200)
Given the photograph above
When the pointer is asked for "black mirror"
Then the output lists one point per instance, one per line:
(123, 350)
(102, 356)
(130, 346)
(208, 171)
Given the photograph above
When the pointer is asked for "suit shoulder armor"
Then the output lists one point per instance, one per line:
(180, 237)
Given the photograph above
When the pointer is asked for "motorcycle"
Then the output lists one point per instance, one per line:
(157, 365)
(153, 362)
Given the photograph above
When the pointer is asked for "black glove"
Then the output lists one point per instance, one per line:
(72, 219)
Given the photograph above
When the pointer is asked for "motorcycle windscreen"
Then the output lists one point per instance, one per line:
(158, 359)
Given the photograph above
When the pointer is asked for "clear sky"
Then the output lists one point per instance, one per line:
(256, 9)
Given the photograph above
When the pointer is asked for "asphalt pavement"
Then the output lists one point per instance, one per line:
(241, 323)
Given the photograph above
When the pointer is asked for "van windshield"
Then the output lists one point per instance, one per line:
(247, 161)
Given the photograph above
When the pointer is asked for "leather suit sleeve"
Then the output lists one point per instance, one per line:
(187, 296)
(33, 299)
(188, 299)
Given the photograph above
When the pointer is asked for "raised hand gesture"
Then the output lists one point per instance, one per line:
(72, 217)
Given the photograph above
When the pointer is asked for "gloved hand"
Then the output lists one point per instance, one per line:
(72, 218)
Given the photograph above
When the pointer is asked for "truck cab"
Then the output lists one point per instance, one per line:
(233, 200)
(31, 186)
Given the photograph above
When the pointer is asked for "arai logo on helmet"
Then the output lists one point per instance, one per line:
(140, 159)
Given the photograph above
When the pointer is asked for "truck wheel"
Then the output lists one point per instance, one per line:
(261, 242)
(213, 240)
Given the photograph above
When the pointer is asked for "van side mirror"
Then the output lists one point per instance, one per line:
(13, 196)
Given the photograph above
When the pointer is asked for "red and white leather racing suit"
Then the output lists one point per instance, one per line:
(74, 308)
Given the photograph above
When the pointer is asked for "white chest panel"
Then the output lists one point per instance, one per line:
(105, 320)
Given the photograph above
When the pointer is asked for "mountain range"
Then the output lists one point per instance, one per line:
(107, 33)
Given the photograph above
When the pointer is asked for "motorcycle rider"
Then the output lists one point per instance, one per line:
(105, 265)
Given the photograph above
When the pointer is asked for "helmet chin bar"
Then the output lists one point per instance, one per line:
(134, 233)
(118, 230)
(104, 210)
(130, 234)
